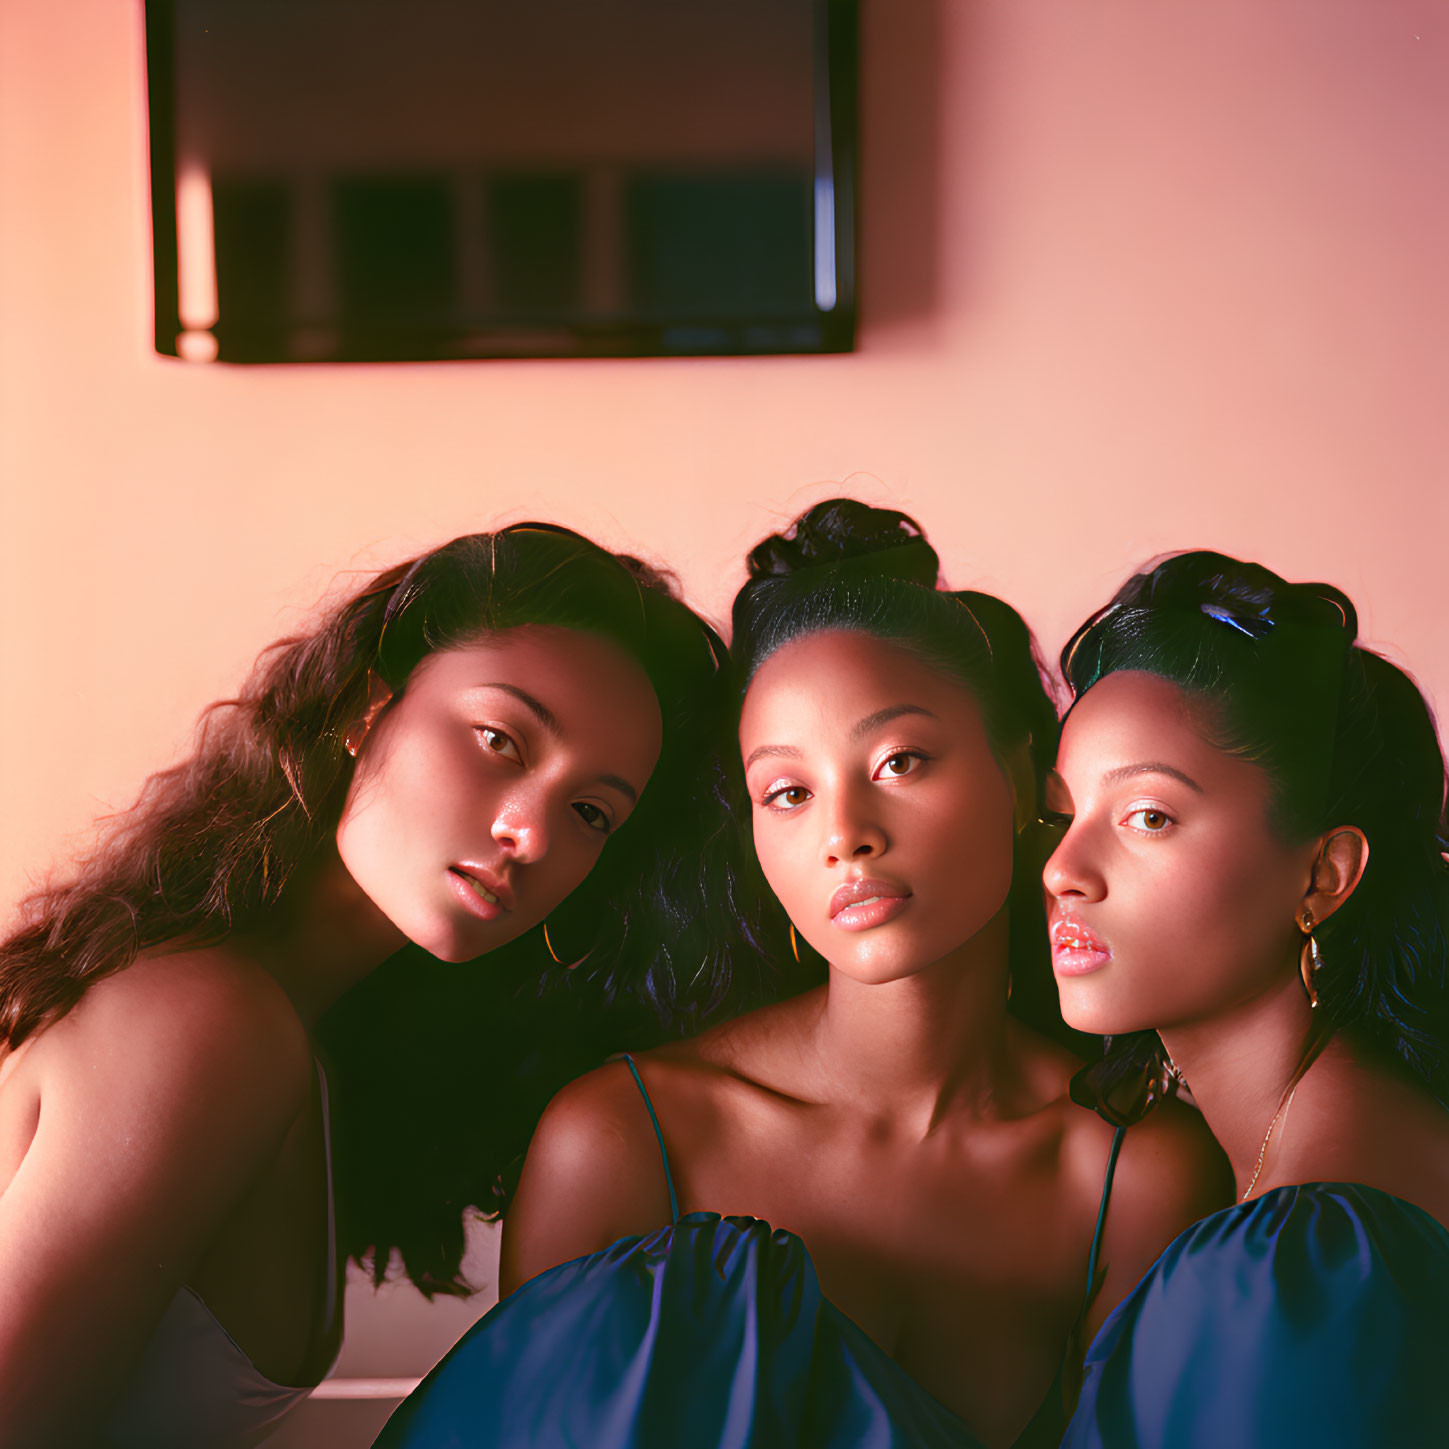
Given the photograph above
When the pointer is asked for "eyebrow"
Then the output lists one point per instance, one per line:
(1149, 767)
(549, 720)
(789, 752)
(863, 727)
(619, 783)
(858, 731)
(546, 717)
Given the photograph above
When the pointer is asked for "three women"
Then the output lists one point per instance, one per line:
(1252, 870)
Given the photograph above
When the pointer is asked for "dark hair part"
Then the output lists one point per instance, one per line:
(845, 565)
(439, 1072)
(1345, 737)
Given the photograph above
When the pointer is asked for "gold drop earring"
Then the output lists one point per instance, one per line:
(794, 943)
(1310, 959)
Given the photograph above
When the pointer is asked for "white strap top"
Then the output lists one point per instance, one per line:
(193, 1385)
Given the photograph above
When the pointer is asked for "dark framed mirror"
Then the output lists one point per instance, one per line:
(384, 180)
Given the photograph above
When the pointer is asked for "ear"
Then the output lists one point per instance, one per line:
(379, 696)
(1337, 869)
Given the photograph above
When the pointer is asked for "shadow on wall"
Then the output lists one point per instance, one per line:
(901, 176)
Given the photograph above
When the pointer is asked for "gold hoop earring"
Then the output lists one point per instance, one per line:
(1310, 960)
(548, 946)
(794, 943)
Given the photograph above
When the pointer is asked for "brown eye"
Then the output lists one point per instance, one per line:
(593, 817)
(787, 797)
(499, 742)
(894, 766)
(1149, 820)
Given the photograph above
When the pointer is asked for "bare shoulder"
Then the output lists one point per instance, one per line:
(595, 1170)
(180, 1029)
(1170, 1172)
(593, 1175)
(595, 1129)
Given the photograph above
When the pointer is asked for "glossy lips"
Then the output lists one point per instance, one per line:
(1075, 949)
(861, 904)
(480, 892)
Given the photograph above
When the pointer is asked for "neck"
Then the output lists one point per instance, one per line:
(325, 937)
(911, 1048)
(1240, 1068)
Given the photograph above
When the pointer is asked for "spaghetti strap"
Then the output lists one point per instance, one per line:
(664, 1155)
(1117, 1137)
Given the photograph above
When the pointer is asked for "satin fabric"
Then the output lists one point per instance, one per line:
(711, 1334)
(1314, 1315)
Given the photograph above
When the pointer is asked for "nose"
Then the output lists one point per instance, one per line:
(1071, 869)
(853, 831)
(520, 827)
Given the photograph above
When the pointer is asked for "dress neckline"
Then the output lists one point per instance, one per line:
(1334, 1186)
(1053, 1388)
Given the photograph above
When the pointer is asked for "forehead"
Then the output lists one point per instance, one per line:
(830, 679)
(1132, 717)
(566, 669)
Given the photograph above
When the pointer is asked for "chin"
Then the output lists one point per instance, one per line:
(1094, 1012)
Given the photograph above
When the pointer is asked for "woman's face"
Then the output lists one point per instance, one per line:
(1171, 897)
(484, 793)
(882, 820)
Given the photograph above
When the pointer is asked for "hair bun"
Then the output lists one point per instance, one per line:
(844, 528)
(1245, 596)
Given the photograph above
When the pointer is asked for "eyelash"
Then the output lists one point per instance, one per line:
(1149, 810)
(774, 792)
(603, 825)
(484, 731)
(916, 755)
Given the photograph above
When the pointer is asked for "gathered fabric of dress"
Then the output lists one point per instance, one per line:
(193, 1386)
(1316, 1314)
(711, 1333)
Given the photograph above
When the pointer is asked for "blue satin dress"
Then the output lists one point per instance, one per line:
(711, 1333)
(1313, 1315)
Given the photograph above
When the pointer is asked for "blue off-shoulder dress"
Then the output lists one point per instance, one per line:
(1315, 1315)
(711, 1333)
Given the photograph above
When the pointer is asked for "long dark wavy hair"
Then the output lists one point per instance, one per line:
(846, 565)
(438, 1072)
(1345, 738)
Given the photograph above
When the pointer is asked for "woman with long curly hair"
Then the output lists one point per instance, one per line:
(500, 749)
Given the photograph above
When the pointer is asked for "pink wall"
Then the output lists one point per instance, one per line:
(1139, 274)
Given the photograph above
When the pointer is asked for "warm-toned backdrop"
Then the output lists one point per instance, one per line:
(1136, 275)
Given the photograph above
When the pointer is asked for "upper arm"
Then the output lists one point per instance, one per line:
(593, 1175)
(1170, 1173)
(162, 1095)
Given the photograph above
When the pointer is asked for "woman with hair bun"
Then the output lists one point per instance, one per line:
(915, 1233)
(1252, 895)
(499, 749)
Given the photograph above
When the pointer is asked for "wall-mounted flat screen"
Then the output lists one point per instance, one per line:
(380, 180)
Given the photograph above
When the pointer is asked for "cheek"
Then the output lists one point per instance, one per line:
(1195, 932)
(784, 868)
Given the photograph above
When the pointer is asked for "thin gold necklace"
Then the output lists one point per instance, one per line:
(1263, 1150)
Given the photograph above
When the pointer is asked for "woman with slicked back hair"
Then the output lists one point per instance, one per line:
(1251, 895)
(498, 750)
(915, 1234)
